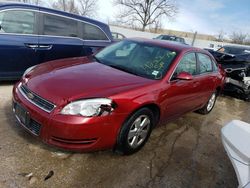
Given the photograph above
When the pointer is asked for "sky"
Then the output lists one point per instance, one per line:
(203, 16)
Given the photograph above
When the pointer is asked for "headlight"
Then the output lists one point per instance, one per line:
(28, 70)
(89, 107)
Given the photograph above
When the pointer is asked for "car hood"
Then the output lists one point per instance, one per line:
(63, 81)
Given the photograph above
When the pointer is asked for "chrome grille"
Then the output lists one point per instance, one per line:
(36, 100)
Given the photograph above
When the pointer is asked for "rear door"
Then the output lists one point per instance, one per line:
(59, 38)
(207, 76)
(18, 42)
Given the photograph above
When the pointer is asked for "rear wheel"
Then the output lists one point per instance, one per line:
(247, 97)
(135, 132)
(209, 105)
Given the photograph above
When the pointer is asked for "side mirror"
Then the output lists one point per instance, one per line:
(184, 76)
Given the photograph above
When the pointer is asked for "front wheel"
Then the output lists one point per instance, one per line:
(135, 132)
(209, 105)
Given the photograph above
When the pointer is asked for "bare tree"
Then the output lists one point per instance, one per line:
(88, 7)
(82, 7)
(66, 5)
(34, 2)
(145, 12)
(238, 37)
(247, 40)
(157, 26)
(221, 35)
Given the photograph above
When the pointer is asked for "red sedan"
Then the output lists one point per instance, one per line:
(115, 98)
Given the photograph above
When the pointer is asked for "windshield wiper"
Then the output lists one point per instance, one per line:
(123, 69)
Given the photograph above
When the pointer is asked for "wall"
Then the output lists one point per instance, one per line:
(129, 33)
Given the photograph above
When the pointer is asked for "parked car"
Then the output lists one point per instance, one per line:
(117, 36)
(115, 98)
(235, 60)
(236, 140)
(31, 35)
(172, 38)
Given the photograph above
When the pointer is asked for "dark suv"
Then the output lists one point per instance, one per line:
(31, 35)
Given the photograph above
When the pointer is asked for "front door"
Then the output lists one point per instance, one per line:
(183, 95)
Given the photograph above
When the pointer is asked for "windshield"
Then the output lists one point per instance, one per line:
(138, 58)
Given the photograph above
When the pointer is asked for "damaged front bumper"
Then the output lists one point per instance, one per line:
(239, 86)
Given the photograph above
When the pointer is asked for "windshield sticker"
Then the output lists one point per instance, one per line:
(155, 73)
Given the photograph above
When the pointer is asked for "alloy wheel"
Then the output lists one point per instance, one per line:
(139, 131)
(211, 102)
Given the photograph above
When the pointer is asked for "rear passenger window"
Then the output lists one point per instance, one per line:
(17, 21)
(59, 26)
(187, 64)
(91, 32)
(205, 63)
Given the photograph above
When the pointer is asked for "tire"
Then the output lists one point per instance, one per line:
(247, 97)
(134, 133)
(209, 105)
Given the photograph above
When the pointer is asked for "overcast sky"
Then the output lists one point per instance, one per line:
(204, 16)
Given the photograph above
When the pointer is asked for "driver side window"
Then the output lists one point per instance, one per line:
(187, 64)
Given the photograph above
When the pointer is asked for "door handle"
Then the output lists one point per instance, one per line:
(45, 47)
(32, 46)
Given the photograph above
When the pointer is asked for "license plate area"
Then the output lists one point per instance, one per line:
(22, 114)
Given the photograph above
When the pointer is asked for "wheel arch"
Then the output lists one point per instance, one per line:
(155, 109)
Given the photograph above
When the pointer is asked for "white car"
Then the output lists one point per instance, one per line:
(236, 140)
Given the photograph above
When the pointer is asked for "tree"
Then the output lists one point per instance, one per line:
(145, 12)
(88, 7)
(66, 5)
(157, 26)
(238, 37)
(220, 36)
(35, 2)
(247, 41)
(82, 7)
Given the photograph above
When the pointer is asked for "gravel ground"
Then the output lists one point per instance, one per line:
(184, 153)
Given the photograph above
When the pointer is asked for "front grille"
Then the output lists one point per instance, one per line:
(36, 100)
(34, 127)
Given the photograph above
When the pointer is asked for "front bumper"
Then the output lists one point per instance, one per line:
(69, 132)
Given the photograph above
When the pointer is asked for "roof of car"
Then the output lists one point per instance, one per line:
(10, 5)
(238, 47)
(41, 8)
(170, 36)
(167, 44)
(13, 3)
